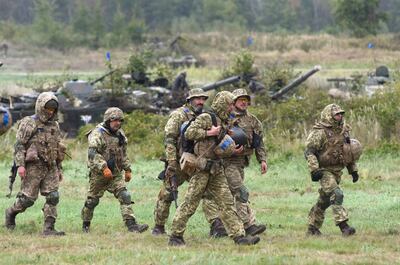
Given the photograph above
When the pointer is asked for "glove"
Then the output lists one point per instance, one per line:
(128, 176)
(355, 176)
(21, 171)
(107, 173)
(171, 168)
(316, 175)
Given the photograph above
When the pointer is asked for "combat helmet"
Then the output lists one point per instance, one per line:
(240, 92)
(113, 113)
(196, 93)
(238, 135)
(352, 151)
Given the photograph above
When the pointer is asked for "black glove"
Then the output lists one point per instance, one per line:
(355, 176)
(316, 175)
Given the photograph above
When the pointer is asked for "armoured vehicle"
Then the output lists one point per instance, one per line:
(81, 102)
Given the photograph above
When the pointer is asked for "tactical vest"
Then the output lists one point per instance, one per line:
(113, 152)
(45, 139)
(333, 154)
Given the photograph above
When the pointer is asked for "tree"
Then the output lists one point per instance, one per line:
(361, 17)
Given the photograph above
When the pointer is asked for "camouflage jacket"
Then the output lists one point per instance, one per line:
(107, 149)
(253, 128)
(39, 136)
(324, 145)
(172, 131)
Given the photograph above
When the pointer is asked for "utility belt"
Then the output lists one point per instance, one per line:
(190, 163)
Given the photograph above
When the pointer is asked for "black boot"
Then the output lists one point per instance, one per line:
(246, 240)
(135, 227)
(346, 229)
(48, 228)
(313, 231)
(158, 230)
(176, 241)
(255, 229)
(10, 219)
(86, 226)
(217, 229)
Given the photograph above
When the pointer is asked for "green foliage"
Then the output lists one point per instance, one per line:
(361, 17)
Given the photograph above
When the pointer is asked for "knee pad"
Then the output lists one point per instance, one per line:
(91, 202)
(53, 198)
(25, 201)
(243, 194)
(124, 197)
(337, 197)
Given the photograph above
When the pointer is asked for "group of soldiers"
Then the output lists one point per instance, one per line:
(209, 149)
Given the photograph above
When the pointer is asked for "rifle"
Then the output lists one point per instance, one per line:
(173, 182)
(11, 178)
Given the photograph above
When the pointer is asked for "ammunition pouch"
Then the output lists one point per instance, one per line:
(226, 147)
(111, 164)
(188, 163)
(256, 142)
(32, 154)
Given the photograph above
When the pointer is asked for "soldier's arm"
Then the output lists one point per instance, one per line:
(171, 134)
(96, 145)
(260, 150)
(26, 129)
(126, 163)
(197, 130)
(314, 143)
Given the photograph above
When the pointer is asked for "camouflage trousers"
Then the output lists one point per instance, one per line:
(234, 171)
(39, 177)
(97, 186)
(215, 185)
(330, 194)
(165, 198)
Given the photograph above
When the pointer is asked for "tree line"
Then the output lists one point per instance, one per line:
(117, 22)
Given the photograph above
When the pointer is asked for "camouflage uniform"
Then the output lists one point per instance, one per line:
(37, 149)
(234, 166)
(172, 151)
(213, 181)
(107, 149)
(324, 154)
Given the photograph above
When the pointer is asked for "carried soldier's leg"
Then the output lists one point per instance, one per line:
(235, 176)
(26, 197)
(197, 186)
(163, 204)
(49, 188)
(97, 187)
(219, 190)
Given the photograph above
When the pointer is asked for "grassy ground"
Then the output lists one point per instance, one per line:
(281, 198)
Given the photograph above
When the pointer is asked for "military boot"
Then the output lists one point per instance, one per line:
(217, 229)
(10, 219)
(346, 229)
(176, 241)
(313, 231)
(246, 240)
(135, 227)
(86, 226)
(48, 228)
(255, 229)
(158, 230)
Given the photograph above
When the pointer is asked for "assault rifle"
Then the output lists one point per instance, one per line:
(11, 178)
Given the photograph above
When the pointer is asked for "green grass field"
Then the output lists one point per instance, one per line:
(282, 199)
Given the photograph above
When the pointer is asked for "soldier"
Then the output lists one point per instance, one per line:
(106, 159)
(38, 156)
(173, 150)
(234, 168)
(326, 154)
(207, 131)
